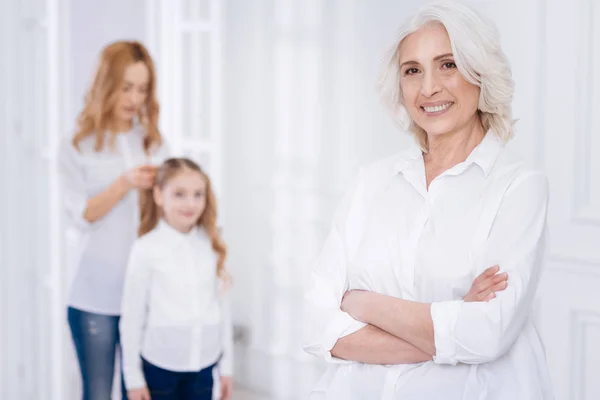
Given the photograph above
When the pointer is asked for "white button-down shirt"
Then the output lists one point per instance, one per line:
(99, 254)
(174, 313)
(393, 236)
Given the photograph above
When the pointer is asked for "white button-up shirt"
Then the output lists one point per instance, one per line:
(393, 236)
(174, 313)
(99, 254)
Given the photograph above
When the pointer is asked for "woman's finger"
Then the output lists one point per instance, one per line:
(485, 275)
(485, 295)
(488, 272)
(490, 293)
(490, 296)
(488, 283)
(499, 278)
(500, 286)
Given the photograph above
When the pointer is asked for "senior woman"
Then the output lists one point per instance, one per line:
(402, 302)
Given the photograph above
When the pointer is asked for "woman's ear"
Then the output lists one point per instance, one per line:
(158, 195)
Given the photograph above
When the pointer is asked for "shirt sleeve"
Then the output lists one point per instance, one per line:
(134, 315)
(226, 362)
(72, 185)
(479, 332)
(325, 322)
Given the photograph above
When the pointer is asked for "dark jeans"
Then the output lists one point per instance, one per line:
(169, 385)
(96, 338)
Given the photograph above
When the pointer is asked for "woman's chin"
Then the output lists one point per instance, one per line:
(437, 130)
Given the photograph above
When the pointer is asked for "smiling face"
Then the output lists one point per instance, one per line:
(435, 94)
(183, 199)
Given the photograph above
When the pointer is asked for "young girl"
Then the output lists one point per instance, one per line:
(175, 323)
(112, 154)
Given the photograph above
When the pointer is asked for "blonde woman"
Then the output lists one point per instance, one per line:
(403, 304)
(112, 155)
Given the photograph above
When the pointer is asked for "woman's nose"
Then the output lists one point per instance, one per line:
(429, 85)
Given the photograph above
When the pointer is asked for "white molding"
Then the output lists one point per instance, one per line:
(5, 122)
(581, 320)
(582, 212)
(216, 134)
(541, 82)
(586, 215)
(166, 30)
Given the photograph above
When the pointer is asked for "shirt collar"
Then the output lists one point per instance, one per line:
(408, 158)
(484, 155)
(169, 231)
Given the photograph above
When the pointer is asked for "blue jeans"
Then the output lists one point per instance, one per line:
(169, 385)
(96, 338)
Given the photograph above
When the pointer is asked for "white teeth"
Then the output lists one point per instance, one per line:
(437, 108)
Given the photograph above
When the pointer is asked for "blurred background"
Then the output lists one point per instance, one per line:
(277, 100)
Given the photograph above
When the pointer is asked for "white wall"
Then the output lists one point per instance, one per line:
(30, 273)
(94, 24)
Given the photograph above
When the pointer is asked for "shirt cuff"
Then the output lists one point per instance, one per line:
(134, 380)
(444, 316)
(341, 325)
(226, 366)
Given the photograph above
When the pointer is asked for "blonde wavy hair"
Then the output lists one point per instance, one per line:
(478, 56)
(95, 118)
(150, 212)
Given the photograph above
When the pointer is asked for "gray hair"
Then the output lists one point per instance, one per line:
(478, 56)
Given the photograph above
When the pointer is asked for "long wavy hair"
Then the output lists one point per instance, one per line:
(151, 212)
(100, 100)
(475, 42)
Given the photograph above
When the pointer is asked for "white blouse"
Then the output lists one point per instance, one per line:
(393, 236)
(174, 313)
(100, 253)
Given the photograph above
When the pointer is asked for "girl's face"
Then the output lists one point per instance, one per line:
(182, 199)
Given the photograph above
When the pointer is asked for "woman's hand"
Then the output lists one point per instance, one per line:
(225, 281)
(226, 387)
(486, 285)
(139, 394)
(354, 303)
(141, 177)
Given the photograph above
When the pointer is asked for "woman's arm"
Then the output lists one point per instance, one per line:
(333, 334)
(141, 177)
(324, 322)
(82, 210)
(405, 319)
(376, 346)
(98, 206)
(372, 345)
(476, 332)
